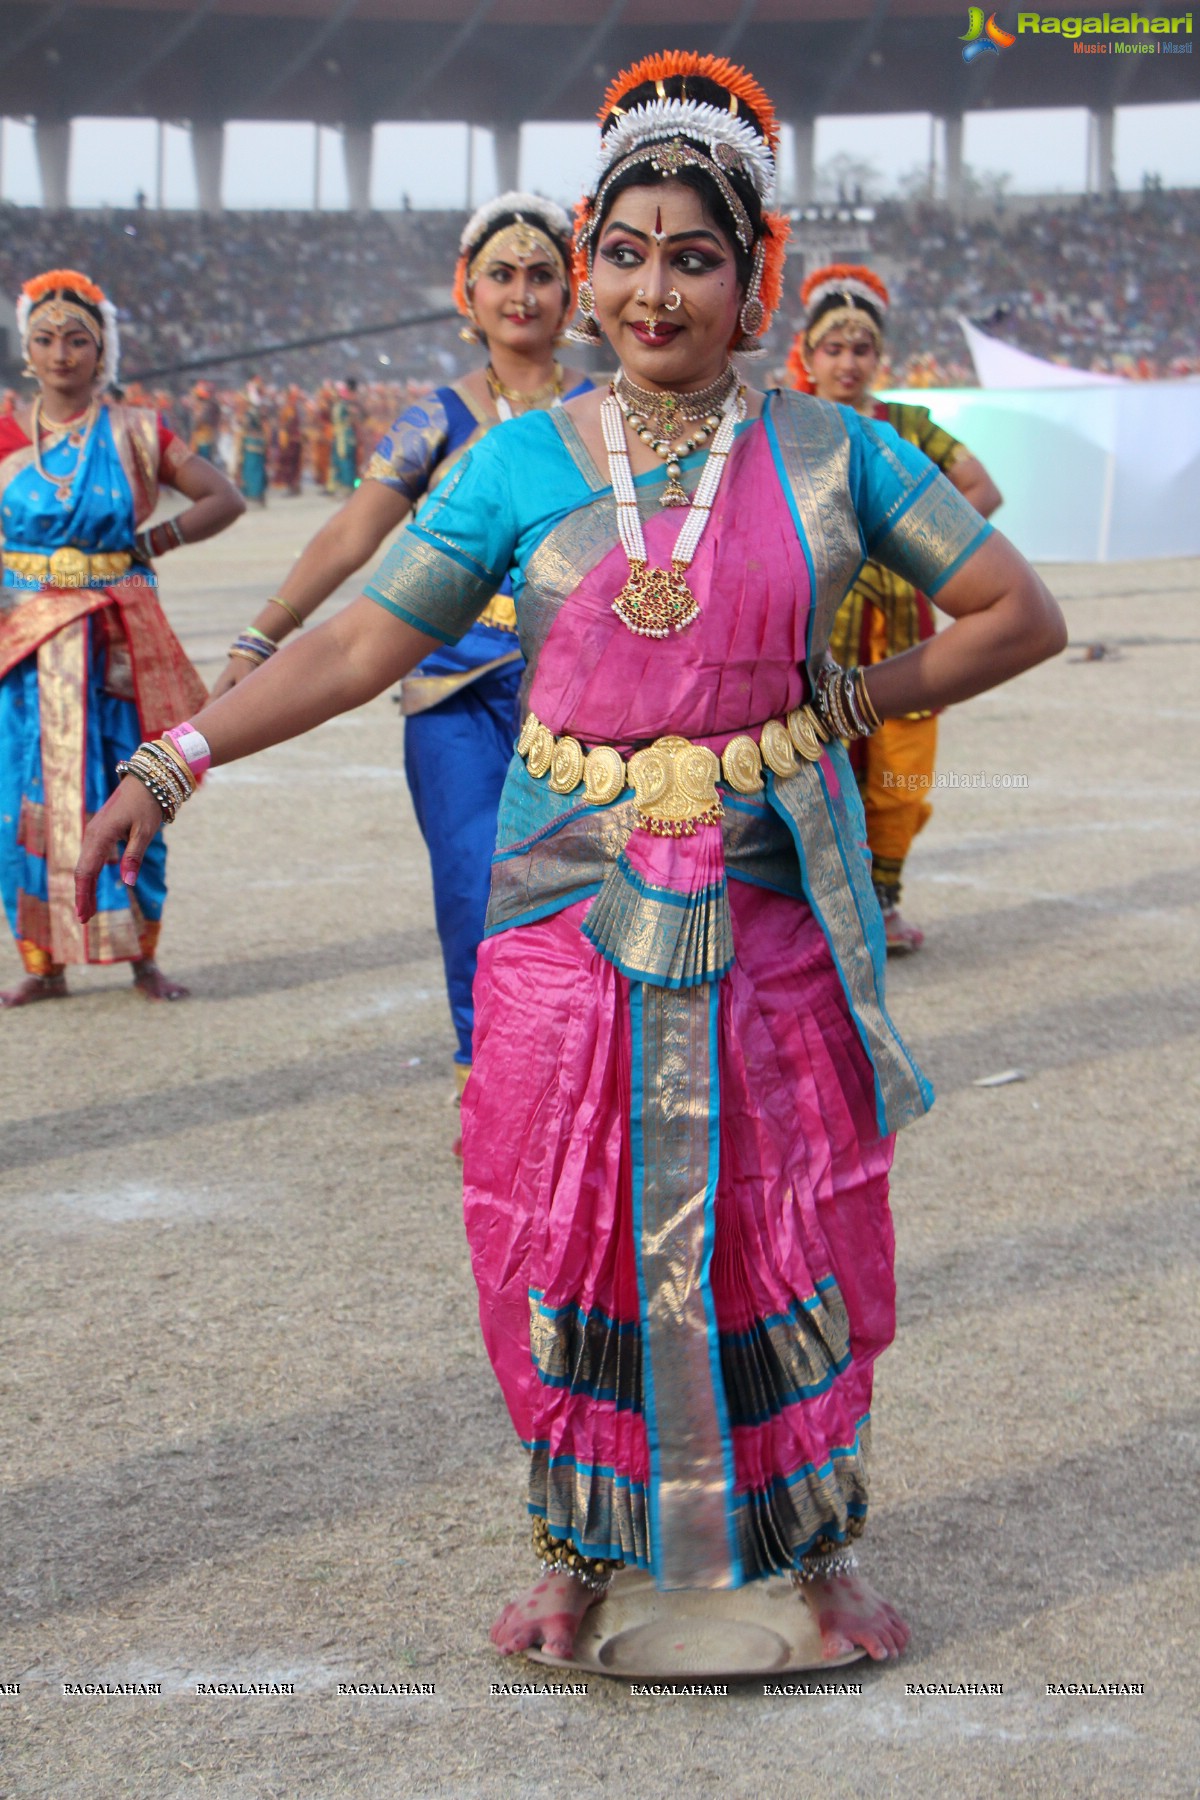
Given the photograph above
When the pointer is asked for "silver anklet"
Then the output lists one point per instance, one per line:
(824, 1568)
(595, 1584)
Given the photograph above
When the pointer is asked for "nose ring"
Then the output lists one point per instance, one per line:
(673, 301)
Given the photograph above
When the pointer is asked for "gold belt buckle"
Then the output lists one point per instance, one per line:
(69, 568)
(675, 785)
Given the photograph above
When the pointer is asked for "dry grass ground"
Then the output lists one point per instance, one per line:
(250, 1430)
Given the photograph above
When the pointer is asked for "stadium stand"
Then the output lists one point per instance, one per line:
(1101, 284)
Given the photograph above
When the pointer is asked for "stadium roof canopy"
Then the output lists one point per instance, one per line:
(500, 62)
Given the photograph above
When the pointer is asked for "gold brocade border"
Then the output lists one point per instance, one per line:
(772, 1364)
(428, 589)
(931, 536)
(31, 827)
(657, 935)
(782, 1360)
(62, 702)
(673, 1115)
(553, 869)
(838, 884)
(814, 447)
(135, 435)
(418, 693)
(778, 1524)
(588, 1353)
(600, 1513)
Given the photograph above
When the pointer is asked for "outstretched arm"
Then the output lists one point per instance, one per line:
(341, 547)
(341, 664)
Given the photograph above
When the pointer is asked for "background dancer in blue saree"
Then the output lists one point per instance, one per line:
(679, 1130)
(88, 663)
(513, 287)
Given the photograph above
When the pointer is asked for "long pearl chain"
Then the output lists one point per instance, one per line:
(654, 602)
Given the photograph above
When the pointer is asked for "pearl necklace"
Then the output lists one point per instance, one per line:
(76, 434)
(654, 602)
(503, 398)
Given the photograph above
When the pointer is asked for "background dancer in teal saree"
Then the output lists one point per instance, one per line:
(678, 1130)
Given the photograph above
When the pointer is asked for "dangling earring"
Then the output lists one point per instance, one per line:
(469, 333)
(753, 315)
(587, 331)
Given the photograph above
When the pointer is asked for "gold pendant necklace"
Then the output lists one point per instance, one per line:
(655, 602)
(505, 399)
(657, 418)
(75, 434)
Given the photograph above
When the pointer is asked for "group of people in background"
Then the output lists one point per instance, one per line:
(279, 437)
(1110, 285)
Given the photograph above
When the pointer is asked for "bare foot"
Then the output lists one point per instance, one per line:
(902, 939)
(35, 987)
(150, 981)
(544, 1616)
(852, 1616)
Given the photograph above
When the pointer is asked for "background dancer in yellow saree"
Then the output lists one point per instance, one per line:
(836, 356)
(513, 288)
(88, 664)
(678, 1132)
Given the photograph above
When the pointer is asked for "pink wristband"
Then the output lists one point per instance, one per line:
(192, 745)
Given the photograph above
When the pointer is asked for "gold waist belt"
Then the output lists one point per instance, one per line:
(68, 568)
(674, 781)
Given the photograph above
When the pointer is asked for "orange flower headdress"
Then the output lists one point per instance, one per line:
(536, 222)
(734, 138)
(64, 294)
(864, 304)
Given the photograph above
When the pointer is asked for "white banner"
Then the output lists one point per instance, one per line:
(1099, 473)
(1000, 365)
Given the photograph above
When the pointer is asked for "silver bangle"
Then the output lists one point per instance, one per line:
(825, 1567)
(595, 1584)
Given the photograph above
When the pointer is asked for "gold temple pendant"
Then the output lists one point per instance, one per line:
(655, 602)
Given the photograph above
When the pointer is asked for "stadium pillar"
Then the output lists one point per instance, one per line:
(208, 158)
(357, 145)
(507, 141)
(952, 170)
(1101, 174)
(52, 140)
(804, 161)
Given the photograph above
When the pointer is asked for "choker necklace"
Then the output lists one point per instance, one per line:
(661, 420)
(655, 602)
(76, 432)
(505, 399)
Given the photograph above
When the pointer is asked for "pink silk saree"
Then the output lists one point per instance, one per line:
(677, 1132)
(678, 1210)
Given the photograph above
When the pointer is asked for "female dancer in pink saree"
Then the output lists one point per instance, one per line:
(677, 1132)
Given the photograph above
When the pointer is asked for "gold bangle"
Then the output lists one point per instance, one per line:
(866, 703)
(246, 656)
(288, 608)
(167, 748)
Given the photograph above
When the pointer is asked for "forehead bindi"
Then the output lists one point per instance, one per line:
(667, 210)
